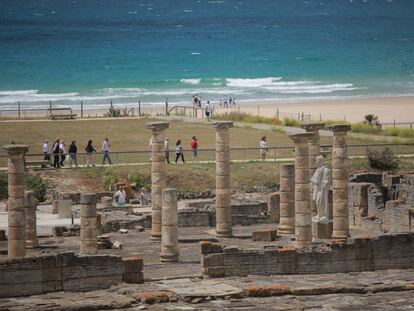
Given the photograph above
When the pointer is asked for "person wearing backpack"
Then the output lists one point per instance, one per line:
(55, 150)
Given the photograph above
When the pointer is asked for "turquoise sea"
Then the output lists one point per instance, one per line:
(66, 51)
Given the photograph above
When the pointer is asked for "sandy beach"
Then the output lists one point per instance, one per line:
(388, 109)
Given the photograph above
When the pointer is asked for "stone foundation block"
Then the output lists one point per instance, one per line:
(267, 235)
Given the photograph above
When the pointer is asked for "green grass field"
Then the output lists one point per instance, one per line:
(131, 135)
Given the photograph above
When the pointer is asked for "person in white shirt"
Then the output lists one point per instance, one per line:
(120, 195)
(62, 152)
(167, 149)
(263, 148)
(46, 151)
(207, 110)
(105, 151)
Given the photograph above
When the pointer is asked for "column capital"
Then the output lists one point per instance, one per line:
(16, 149)
(340, 128)
(222, 124)
(301, 137)
(157, 126)
(313, 127)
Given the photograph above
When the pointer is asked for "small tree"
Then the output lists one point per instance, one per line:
(371, 119)
(384, 160)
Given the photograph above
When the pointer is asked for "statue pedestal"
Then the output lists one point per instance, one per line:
(321, 230)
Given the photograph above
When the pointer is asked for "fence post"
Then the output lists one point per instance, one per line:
(117, 158)
(394, 123)
(18, 109)
(81, 109)
(277, 114)
(166, 107)
(139, 108)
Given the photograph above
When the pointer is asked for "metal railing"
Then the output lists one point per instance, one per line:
(240, 154)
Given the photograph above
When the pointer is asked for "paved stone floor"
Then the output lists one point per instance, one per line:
(383, 290)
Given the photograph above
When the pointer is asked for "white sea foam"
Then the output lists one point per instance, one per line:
(191, 81)
(311, 88)
(259, 82)
(20, 92)
(195, 53)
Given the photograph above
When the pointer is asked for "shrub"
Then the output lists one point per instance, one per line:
(36, 184)
(400, 132)
(3, 185)
(237, 116)
(384, 160)
(365, 128)
(332, 122)
(140, 181)
(291, 122)
(371, 119)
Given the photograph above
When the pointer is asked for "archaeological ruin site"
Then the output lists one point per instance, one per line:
(325, 238)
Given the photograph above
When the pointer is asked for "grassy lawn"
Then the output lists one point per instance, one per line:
(131, 135)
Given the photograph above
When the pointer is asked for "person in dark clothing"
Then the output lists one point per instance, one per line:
(72, 154)
(56, 147)
(179, 151)
(89, 150)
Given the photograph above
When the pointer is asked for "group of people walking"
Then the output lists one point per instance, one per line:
(60, 154)
(179, 152)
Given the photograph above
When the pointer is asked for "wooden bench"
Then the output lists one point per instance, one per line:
(61, 114)
(37, 163)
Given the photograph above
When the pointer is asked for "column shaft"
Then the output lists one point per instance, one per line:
(223, 193)
(158, 175)
(16, 212)
(287, 199)
(169, 236)
(88, 233)
(340, 174)
(31, 230)
(303, 216)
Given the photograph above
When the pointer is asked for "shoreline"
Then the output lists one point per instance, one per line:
(388, 109)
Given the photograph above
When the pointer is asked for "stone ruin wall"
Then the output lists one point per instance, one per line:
(66, 271)
(383, 203)
(356, 255)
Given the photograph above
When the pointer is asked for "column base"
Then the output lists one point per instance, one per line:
(321, 230)
(300, 244)
(285, 230)
(169, 258)
(31, 245)
(224, 234)
(339, 235)
(155, 237)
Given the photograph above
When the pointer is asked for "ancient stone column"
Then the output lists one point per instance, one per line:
(16, 211)
(169, 236)
(340, 174)
(314, 151)
(158, 175)
(31, 230)
(223, 195)
(287, 199)
(303, 216)
(273, 206)
(88, 231)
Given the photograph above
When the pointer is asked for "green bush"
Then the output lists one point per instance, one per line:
(365, 128)
(3, 185)
(400, 132)
(384, 160)
(332, 122)
(371, 119)
(237, 116)
(36, 184)
(140, 181)
(291, 122)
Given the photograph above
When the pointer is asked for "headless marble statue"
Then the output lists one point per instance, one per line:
(321, 182)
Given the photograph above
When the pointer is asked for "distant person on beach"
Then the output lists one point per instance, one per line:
(230, 101)
(263, 148)
(72, 154)
(167, 149)
(62, 152)
(207, 110)
(234, 102)
(225, 101)
(199, 102)
(179, 151)
(120, 197)
(89, 149)
(55, 149)
(46, 151)
(105, 150)
(194, 146)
